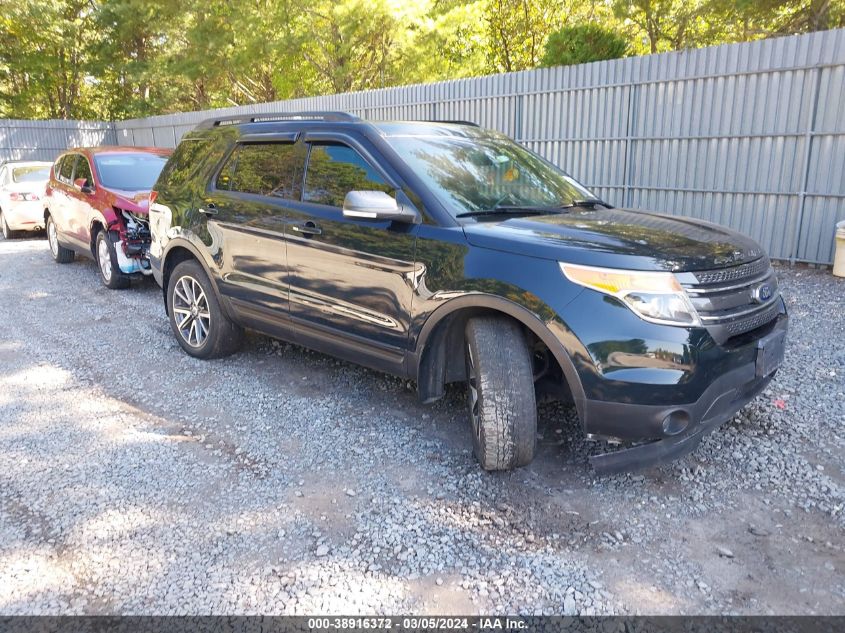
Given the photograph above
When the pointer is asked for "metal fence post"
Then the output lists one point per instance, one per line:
(626, 170)
(518, 119)
(805, 171)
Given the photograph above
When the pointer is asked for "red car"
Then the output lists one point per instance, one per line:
(97, 206)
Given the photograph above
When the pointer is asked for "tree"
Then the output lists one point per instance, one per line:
(45, 58)
(351, 44)
(129, 57)
(113, 59)
(583, 43)
(517, 31)
(667, 24)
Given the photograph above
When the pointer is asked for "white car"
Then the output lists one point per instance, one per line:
(22, 188)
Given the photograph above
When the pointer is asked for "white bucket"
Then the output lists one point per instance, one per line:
(839, 254)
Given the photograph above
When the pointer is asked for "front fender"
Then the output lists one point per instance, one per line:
(107, 220)
(553, 332)
(187, 241)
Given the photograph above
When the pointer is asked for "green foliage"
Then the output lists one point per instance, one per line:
(583, 43)
(117, 59)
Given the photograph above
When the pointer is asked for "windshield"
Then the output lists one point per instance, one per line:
(479, 174)
(130, 172)
(32, 173)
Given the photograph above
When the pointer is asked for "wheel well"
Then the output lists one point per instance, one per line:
(442, 359)
(175, 257)
(96, 227)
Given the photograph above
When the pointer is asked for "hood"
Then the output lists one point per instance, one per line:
(617, 238)
(135, 201)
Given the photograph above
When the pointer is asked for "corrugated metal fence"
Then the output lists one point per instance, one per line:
(747, 135)
(43, 140)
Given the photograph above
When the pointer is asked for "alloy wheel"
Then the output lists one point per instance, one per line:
(53, 238)
(190, 311)
(104, 259)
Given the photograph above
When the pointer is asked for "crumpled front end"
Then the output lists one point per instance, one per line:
(133, 244)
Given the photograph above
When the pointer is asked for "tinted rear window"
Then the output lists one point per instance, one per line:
(129, 172)
(30, 174)
(267, 169)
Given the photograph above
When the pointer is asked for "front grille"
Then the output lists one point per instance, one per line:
(736, 300)
(735, 273)
(758, 319)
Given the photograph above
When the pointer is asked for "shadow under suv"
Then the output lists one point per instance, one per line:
(443, 252)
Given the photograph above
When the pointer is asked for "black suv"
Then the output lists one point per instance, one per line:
(443, 252)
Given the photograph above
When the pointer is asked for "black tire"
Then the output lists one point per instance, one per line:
(8, 234)
(106, 258)
(61, 255)
(222, 336)
(500, 389)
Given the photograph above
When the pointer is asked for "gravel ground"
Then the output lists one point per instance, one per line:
(137, 480)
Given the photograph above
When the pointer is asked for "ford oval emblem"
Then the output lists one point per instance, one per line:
(762, 293)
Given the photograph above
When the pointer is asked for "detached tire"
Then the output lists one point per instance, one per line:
(110, 273)
(61, 255)
(196, 318)
(502, 405)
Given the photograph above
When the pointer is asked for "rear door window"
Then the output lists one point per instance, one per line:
(334, 170)
(265, 169)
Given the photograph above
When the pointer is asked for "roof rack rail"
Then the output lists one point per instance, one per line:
(261, 117)
(454, 122)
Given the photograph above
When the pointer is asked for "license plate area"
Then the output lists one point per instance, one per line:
(770, 351)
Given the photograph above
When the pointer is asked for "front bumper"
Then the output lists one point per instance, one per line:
(24, 215)
(726, 395)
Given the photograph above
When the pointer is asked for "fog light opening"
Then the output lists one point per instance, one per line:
(675, 422)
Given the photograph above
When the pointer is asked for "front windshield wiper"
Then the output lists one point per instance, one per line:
(536, 209)
(588, 203)
(503, 209)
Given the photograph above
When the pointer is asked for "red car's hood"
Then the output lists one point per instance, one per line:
(135, 201)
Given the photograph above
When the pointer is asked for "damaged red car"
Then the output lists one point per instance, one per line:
(97, 204)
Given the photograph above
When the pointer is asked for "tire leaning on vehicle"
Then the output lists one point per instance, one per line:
(110, 273)
(500, 389)
(196, 318)
(61, 255)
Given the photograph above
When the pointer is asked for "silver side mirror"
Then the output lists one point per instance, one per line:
(376, 205)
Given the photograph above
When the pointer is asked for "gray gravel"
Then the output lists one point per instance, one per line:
(135, 479)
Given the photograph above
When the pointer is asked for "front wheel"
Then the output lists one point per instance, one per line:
(500, 387)
(196, 318)
(110, 273)
(60, 254)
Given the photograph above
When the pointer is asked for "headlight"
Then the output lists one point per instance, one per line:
(653, 296)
